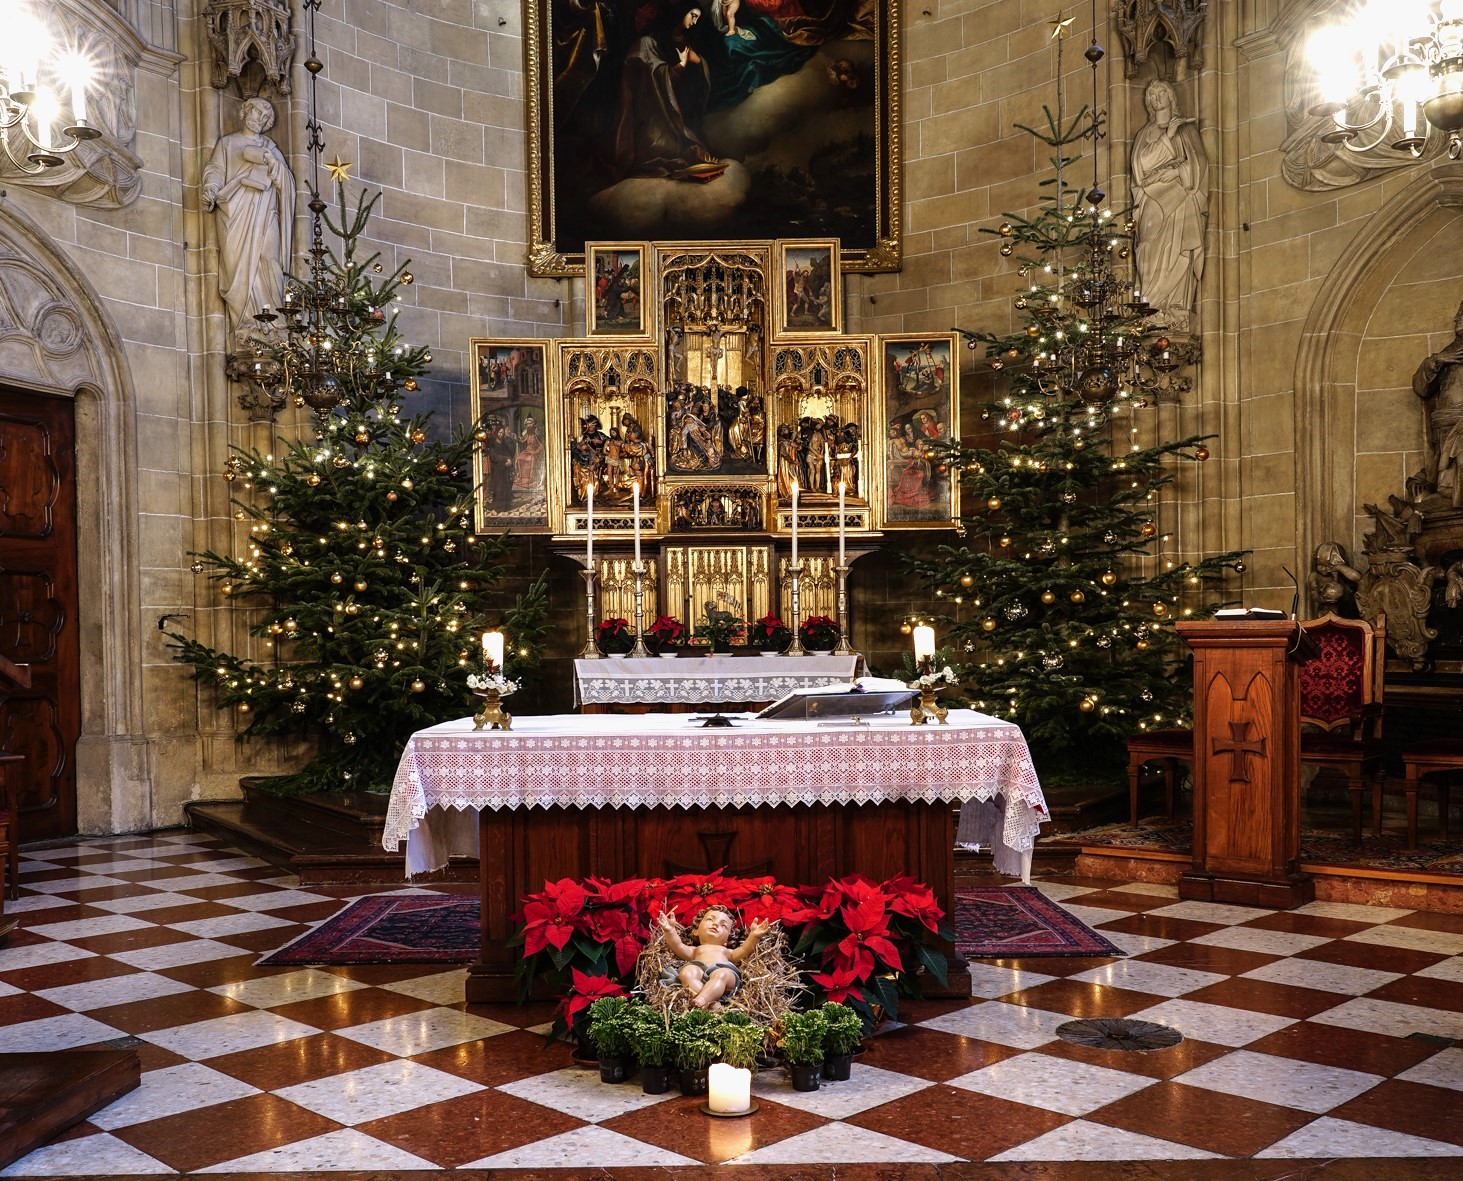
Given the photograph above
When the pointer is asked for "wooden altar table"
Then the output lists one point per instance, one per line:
(574, 796)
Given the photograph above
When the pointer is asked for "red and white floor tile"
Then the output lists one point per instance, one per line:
(1318, 1033)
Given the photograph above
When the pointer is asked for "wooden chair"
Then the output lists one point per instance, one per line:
(1341, 704)
(1437, 756)
(1340, 712)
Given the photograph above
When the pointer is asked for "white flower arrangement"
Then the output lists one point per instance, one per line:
(932, 680)
(491, 682)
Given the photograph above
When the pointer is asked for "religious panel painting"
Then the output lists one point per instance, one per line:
(615, 301)
(920, 407)
(808, 288)
(713, 121)
(510, 407)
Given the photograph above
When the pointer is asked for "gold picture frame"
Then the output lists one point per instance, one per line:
(599, 167)
(616, 301)
(516, 415)
(919, 406)
(807, 288)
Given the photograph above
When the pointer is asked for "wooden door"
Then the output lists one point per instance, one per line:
(38, 600)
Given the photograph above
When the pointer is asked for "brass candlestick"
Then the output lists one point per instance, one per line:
(844, 648)
(926, 709)
(591, 649)
(796, 647)
(639, 651)
(492, 715)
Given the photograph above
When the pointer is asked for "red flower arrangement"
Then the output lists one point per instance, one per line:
(613, 636)
(769, 633)
(863, 942)
(819, 633)
(667, 631)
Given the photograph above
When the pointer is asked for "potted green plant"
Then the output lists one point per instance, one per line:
(769, 634)
(666, 635)
(613, 636)
(802, 1047)
(720, 628)
(844, 1030)
(609, 1030)
(741, 1040)
(819, 633)
(695, 1044)
(649, 1036)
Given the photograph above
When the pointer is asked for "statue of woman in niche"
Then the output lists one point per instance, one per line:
(250, 186)
(1438, 381)
(1170, 175)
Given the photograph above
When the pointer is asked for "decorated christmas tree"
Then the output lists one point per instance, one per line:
(367, 590)
(1060, 598)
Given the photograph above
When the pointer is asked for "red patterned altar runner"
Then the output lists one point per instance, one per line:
(667, 760)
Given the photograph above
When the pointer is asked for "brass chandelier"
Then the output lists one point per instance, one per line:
(34, 131)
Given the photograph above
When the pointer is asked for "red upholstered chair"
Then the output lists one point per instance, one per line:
(1341, 704)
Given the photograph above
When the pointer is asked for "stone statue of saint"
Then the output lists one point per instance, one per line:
(250, 185)
(1439, 383)
(1170, 176)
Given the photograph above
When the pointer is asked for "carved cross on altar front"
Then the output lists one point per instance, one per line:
(1238, 750)
(716, 855)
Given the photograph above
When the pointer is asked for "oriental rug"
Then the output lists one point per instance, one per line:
(990, 921)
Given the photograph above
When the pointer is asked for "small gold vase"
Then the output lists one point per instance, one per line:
(492, 716)
(927, 709)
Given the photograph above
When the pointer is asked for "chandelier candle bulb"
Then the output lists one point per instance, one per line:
(924, 644)
(493, 650)
(728, 1089)
(635, 488)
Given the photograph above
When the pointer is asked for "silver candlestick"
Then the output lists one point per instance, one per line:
(844, 648)
(639, 651)
(796, 647)
(591, 649)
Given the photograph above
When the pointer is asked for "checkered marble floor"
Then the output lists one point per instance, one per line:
(1320, 1032)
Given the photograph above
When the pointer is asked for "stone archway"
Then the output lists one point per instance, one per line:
(1368, 328)
(56, 337)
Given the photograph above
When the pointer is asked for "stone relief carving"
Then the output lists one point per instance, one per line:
(1170, 176)
(249, 184)
(1143, 25)
(1396, 583)
(1333, 580)
(42, 339)
(241, 31)
(101, 173)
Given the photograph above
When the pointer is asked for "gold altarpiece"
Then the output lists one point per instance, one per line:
(739, 388)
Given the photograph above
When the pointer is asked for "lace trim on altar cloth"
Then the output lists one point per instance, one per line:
(700, 681)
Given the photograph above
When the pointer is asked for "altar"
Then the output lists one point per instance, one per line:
(574, 796)
(704, 680)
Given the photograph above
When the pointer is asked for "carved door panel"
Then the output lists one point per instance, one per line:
(38, 599)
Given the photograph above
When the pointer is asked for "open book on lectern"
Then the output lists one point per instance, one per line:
(864, 697)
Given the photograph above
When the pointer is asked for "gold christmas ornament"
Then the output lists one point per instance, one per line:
(906, 628)
(967, 580)
(352, 609)
(442, 468)
(313, 479)
(1006, 229)
(1160, 608)
(1142, 644)
(1087, 705)
(341, 461)
(1005, 541)
(419, 686)
(230, 475)
(1077, 597)
(1079, 444)
(1109, 578)
(1201, 453)
(408, 278)
(407, 484)
(336, 578)
(357, 683)
(361, 585)
(1148, 529)
(363, 437)
(226, 590)
(993, 503)
(419, 436)
(1006, 249)
(410, 384)
(391, 496)
(1048, 597)
(1033, 330)
(480, 435)
(988, 624)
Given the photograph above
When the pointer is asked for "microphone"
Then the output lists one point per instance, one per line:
(1295, 599)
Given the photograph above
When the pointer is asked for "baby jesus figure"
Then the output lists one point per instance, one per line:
(711, 973)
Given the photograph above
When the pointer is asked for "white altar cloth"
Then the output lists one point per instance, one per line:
(700, 680)
(449, 772)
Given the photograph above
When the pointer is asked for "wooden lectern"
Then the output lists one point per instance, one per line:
(1247, 762)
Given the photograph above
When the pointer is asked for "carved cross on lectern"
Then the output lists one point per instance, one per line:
(1238, 750)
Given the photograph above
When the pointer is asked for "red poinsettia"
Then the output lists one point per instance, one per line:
(584, 989)
(867, 938)
(770, 902)
(551, 917)
(914, 900)
(839, 984)
(690, 893)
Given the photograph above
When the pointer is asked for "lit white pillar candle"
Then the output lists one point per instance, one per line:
(635, 488)
(589, 531)
(794, 522)
(493, 650)
(728, 1089)
(842, 540)
(924, 643)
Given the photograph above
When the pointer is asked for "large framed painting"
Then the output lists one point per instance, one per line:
(808, 289)
(616, 301)
(510, 406)
(708, 121)
(921, 405)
